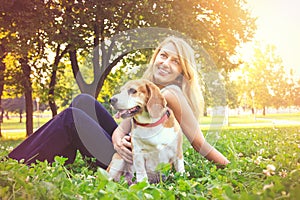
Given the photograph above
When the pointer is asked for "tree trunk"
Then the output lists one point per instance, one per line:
(28, 95)
(205, 114)
(1, 116)
(2, 69)
(264, 111)
(51, 100)
(20, 116)
(100, 70)
(51, 93)
(83, 86)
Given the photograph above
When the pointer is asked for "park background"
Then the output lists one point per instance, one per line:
(50, 51)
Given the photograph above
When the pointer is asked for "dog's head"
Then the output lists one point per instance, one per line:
(139, 97)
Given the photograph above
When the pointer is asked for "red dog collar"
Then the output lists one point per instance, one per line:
(160, 121)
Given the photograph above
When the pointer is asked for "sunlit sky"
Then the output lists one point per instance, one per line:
(278, 23)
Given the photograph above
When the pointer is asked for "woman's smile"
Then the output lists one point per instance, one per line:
(162, 71)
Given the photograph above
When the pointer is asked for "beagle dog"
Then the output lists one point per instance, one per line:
(156, 136)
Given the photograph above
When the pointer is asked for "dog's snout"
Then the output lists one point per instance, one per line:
(113, 100)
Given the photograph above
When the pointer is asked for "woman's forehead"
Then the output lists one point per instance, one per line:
(170, 49)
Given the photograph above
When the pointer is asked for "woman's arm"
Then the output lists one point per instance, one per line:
(190, 126)
(121, 140)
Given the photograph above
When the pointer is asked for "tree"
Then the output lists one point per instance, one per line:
(264, 81)
(54, 67)
(131, 67)
(296, 95)
(110, 30)
(102, 27)
(23, 21)
(2, 69)
(16, 105)
(292, 90)
(65, 85)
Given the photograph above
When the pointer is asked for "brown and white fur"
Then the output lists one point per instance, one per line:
(155, 137)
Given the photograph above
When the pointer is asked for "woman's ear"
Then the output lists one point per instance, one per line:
(156, 102)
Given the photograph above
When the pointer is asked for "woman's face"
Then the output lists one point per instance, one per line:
(167, 66)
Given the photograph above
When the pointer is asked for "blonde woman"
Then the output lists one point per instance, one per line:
(87, 126)
(172, 69)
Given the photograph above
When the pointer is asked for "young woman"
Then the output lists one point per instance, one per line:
(92, 131)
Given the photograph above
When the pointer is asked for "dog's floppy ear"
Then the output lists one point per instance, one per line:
(156, 101)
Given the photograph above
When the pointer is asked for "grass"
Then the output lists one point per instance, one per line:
(283, 116)
(13, 129)
(14, 123)
(249, 119)
(265, 164)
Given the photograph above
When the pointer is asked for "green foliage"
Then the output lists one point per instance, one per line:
(65, 88)
(12, 77)
(265, 164)
(264, 81)
(131, 67)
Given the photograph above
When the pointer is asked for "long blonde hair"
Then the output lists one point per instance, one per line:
(189, 82)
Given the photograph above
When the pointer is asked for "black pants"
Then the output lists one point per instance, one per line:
(85, 126)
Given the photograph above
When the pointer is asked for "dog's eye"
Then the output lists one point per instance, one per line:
(131, 91)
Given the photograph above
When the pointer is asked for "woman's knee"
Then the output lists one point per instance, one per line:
(71, 111)
(82, 98)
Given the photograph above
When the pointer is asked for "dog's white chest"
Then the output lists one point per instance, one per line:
(149, 139)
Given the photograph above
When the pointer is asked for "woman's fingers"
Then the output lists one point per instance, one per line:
(123, 147)
(126, 155)
(127, 141)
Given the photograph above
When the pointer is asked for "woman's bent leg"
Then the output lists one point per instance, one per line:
(52, 139)
(92, 140)
(68, 132)
(95, 110)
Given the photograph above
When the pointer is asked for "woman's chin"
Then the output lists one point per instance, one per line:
(160, 80)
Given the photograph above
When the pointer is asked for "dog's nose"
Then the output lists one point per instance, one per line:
(113, 101)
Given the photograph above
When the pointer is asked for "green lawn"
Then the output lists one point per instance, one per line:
(265, 164)
(14, 123)
(249, 119)
(205, 122)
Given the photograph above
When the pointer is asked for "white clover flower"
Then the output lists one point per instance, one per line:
(261, 151)
(283, 173)
(270, 170)
(271, 167)
(258, 160)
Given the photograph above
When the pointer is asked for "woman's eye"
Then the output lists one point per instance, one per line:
(176, 62)
(162, 55)
(131, 91)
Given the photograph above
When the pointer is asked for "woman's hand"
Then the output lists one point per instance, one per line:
(122, 142)
(123, 147)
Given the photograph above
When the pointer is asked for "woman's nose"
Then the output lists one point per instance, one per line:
(166, 62)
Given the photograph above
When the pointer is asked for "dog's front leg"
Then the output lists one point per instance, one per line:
(179, 165)
(139, 165)
(116, 167)
(179, 161)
